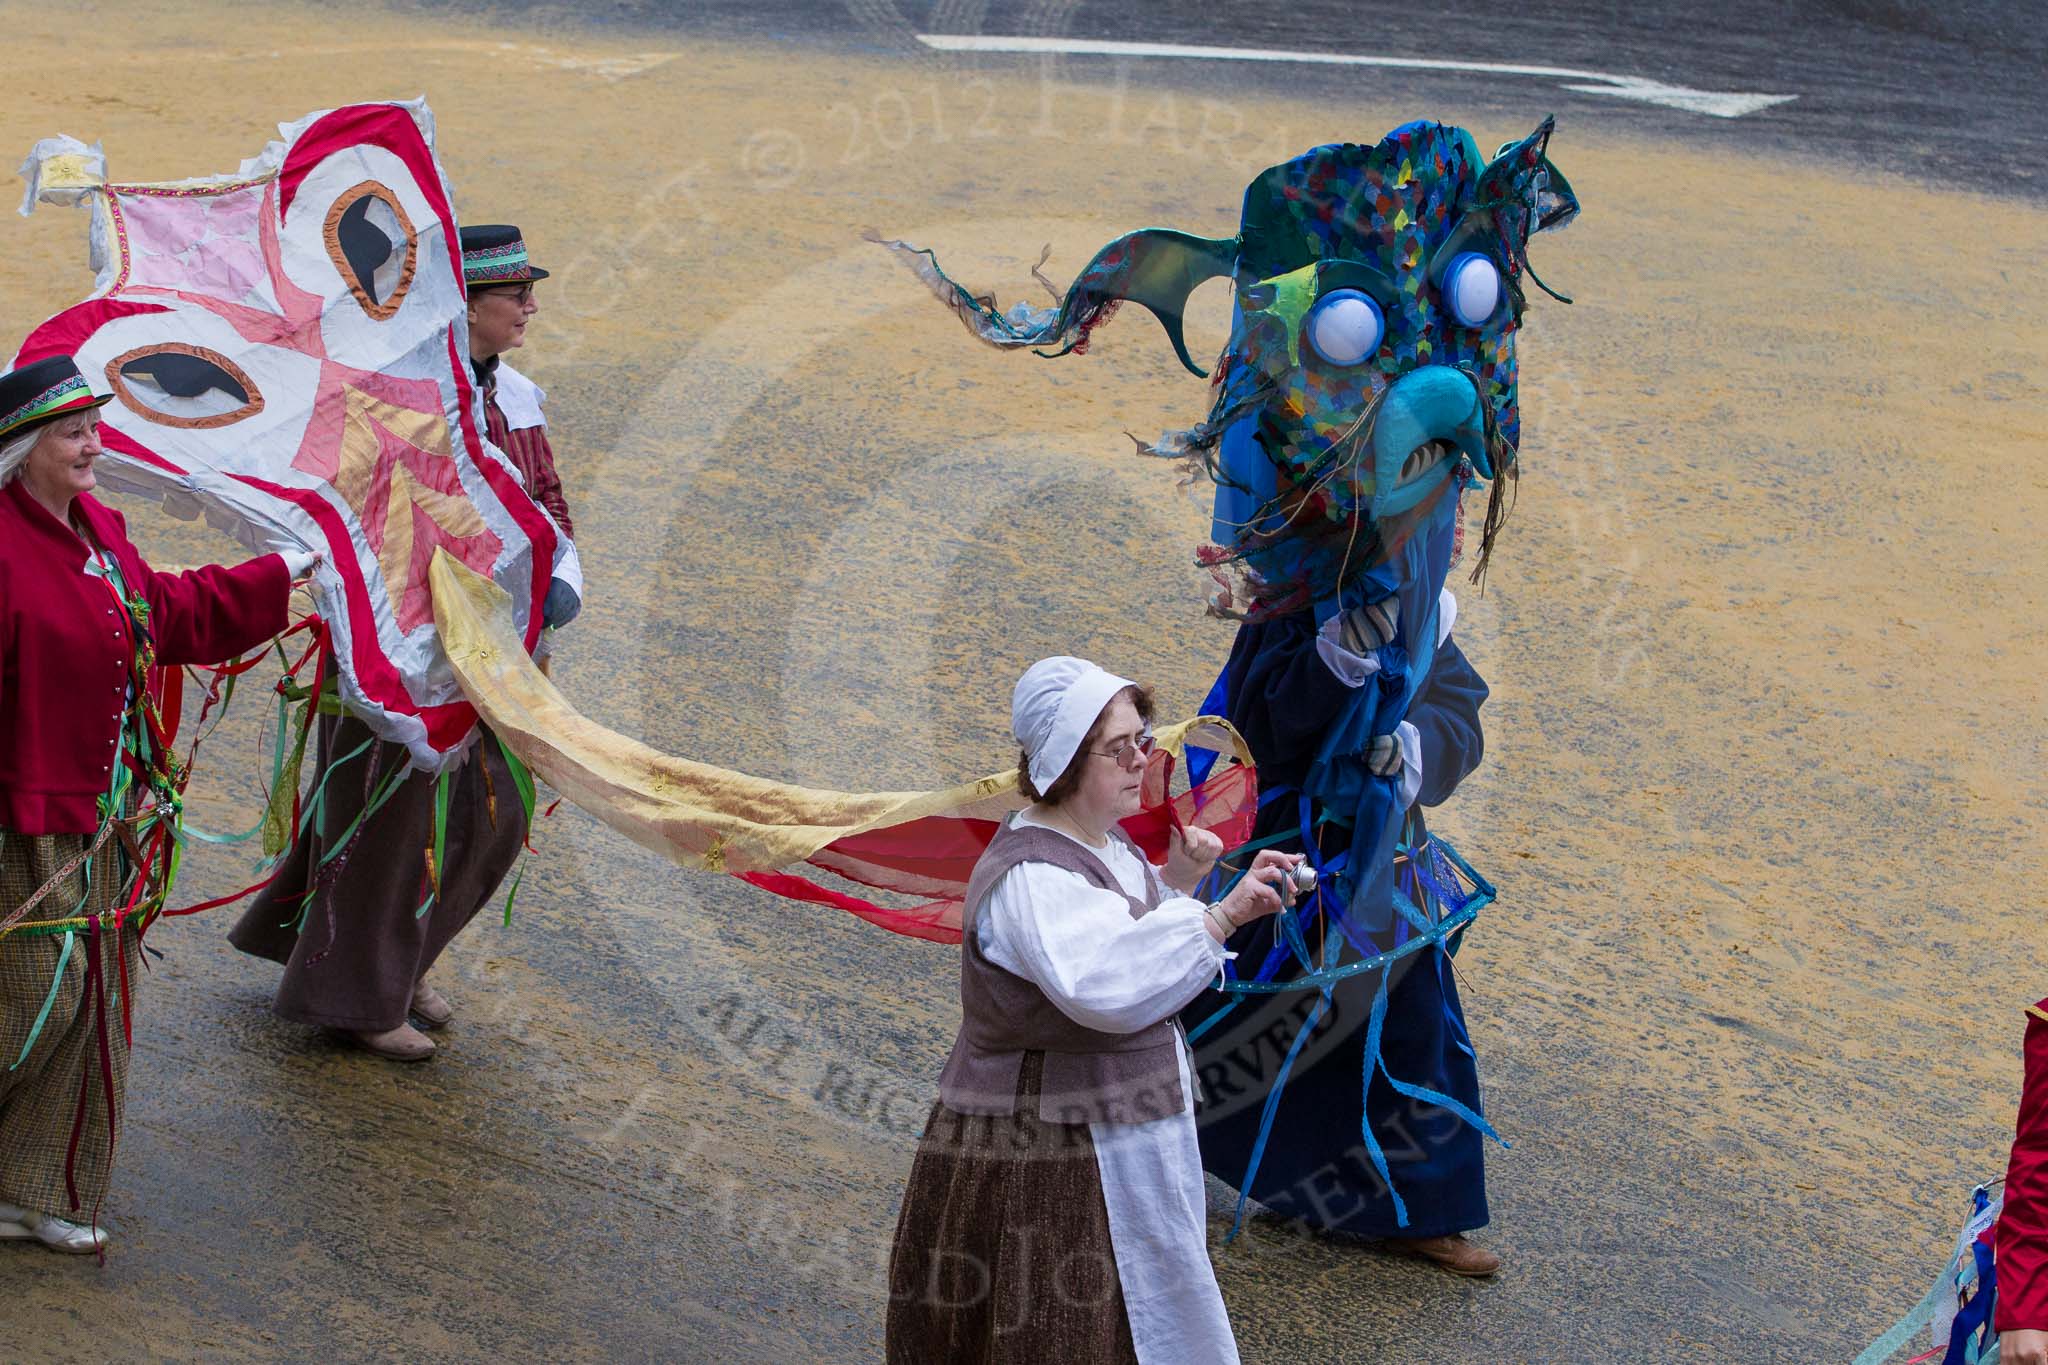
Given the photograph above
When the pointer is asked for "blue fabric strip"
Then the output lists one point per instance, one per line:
(1272, 794)
(1975, 1317)
(1217, 703)
(1905, 1329)
(1315, 981)
(1195, 1033)
(1459, 1035)
(1372, 1064)
(1272, 1108)
(1440, 1100)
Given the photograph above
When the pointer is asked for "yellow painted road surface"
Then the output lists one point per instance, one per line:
(1763, 790)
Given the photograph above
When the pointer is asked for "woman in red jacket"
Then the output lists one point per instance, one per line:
(2021, 1313)
(82, 619)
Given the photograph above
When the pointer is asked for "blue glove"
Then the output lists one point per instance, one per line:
(561, 605)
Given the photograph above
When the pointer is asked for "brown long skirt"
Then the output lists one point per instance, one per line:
(362, 947)
(40, 1085)
(1002, 1251)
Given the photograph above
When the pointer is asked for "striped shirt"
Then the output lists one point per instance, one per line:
(527, 443)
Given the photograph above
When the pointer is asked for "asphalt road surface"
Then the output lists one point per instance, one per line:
(1764, 778)
(1950, 95)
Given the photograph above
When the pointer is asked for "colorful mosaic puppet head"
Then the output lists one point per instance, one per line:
(1370, 373)
(287, 353)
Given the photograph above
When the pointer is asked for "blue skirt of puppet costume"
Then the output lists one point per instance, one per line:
(1335, 1102)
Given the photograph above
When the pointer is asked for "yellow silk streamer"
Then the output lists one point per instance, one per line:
(702, 817)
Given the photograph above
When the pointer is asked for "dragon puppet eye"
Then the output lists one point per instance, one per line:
(1345, 327)
(370, 239)
(1471, 289)
(176, 385)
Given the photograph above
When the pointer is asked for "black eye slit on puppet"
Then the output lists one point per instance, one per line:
(371, 241)
(176, 385)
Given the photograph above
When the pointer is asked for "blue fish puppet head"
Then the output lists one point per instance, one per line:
(1369, 379)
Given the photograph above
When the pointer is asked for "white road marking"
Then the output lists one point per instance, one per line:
(1717, 103)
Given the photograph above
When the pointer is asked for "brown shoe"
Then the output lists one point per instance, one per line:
(1452, 1252)
(431, 1007)
(402, 1044)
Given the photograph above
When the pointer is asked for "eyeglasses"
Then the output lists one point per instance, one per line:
(1140, 749)
(523, 294)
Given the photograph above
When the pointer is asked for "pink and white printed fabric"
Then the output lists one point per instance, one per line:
(288, 350)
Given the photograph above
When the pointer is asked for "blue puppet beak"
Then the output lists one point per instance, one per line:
(1435, 406)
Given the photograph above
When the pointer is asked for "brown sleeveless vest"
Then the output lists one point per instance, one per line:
(1089, 1076)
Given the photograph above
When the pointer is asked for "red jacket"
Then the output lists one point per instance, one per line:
(66, 655)
(2023, 1226)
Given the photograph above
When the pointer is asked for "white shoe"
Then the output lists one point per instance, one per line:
(19, 1224)
(71, 1238)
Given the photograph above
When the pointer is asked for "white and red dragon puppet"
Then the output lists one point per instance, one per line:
(287, 352)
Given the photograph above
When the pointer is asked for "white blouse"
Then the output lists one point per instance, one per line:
(1109, 972)
(1079, 944)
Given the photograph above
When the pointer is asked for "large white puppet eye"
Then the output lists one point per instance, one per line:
(1471, 289)
(370, 239)
(1345, 327)
(176, 385)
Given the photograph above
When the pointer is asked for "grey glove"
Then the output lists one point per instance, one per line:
(561, 605)
(1364, 629)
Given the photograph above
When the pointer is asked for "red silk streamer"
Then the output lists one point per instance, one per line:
(92, 966)
(98, 934)
(933, 857)
(547, 814)
(168, 685)
(106, 1075)
(936, 922)
(159, 851)
(219, 901)
(318, 651)
(95, 1000)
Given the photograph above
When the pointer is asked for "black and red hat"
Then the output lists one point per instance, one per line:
(495, 254)
(42, 392)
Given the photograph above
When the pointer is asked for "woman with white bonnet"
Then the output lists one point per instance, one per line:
(1055, 1210)
(83, 622)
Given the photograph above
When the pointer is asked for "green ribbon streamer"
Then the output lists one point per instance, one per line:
(43, 1017)
(316, 807)
(319, 796)
(284, 779)
(522, 777)
(442, 787)
(529, 797)
(513, 894)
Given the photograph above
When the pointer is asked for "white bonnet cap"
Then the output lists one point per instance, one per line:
(1055, 703)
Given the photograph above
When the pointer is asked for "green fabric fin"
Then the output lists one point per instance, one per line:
(1157, 268)
(1165, 268)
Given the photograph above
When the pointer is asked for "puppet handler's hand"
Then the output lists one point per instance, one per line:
(561, 606)
(299, 563)
(1190, 853)
(2023, 1348)
(1257, 893)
